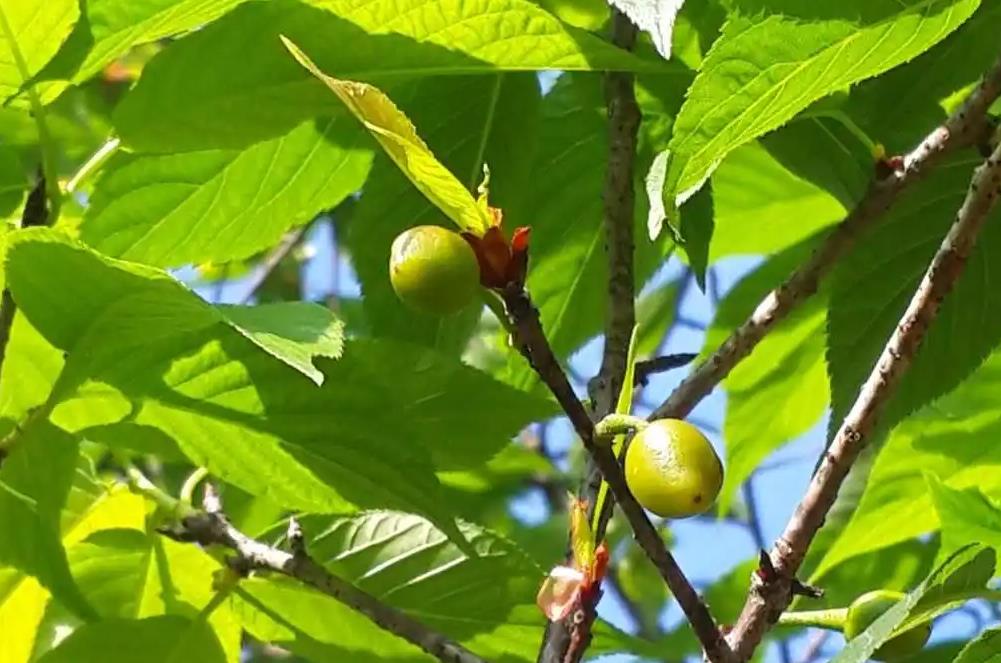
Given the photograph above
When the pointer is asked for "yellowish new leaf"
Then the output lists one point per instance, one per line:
(399, 139)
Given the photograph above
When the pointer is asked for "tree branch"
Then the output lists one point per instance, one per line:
(771, 593)
(272, 260)
(211, 527)
(967, 126)
(534, 345)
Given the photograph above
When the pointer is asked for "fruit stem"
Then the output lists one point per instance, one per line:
(833, 618)
(618, 424)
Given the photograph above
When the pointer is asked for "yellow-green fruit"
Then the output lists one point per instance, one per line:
(867, 608)
(433, 270)
(672, 469)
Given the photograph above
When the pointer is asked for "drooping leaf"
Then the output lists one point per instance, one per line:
(162, 639)
(967, 569)
(950, 438)
(985, 648)
(235, 95)
(767, 67)
(223, 204)
(35, 481)
(873, 284)
(398, 137)
(780, 390)
(489, 119)
(109, 28)
(30, 34)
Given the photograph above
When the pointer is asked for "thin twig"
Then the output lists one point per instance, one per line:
(967, 126)
(210, 526)
(271, 262)
(813, 647)
(533, 343)
(771, 593)
(644, 369)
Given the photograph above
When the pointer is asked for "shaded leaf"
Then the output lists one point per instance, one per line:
(235, 96)
(985, 648)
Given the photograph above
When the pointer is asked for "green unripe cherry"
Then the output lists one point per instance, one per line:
(672, 469)
(867, 608)
(433, 270)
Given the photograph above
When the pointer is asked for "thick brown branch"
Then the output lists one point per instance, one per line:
(211, 527)
(967, 126)
(535, 346)
(771, 595)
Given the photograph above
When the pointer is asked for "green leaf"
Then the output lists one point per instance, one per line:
(398, 137)
(787, 368)
(61, 305)
(235, 96)
(12, 181)
(162, 639)
(31, 34)
(764, 69)
(761, 207)
(966, 515)
(696, 230)
(296, 332)
(30, 363)
(873, 284)
(654, 316)
(224, 204)
(568, 269)
(130, 574)
(34, 483)
(490, 119)
(967, 569)
(487, 603)
(897, 113)
(90, 506)
(950, 438)
(109, 28)
(985, 648)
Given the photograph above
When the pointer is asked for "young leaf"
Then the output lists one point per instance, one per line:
(398, 137)
(985, 648)
(222, 205)
(967, 569)
(764, 69)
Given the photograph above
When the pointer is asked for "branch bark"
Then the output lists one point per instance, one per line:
(967, 126)
(618, 198)
(211, 527)
(771, 593)
(532, 341)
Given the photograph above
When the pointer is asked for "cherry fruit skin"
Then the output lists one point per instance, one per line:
(433, 270)
(673, 470)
